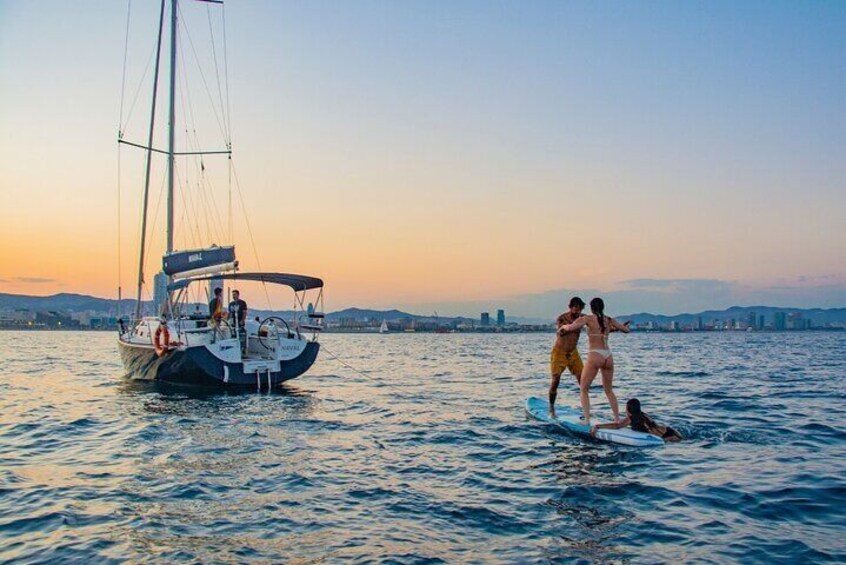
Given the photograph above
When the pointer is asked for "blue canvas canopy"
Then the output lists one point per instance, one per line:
(297, 282)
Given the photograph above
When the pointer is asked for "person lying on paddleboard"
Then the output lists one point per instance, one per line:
(640, 422)
(599, 355)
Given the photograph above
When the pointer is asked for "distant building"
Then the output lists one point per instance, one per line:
(699, 325)
(674, 326)
(780, 321)
(159, 291)
(795, 321)
(761, 322)
(751, 320)
(486, 319)
(500, 317)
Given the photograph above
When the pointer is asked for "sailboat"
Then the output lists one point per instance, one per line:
(383, 329)
(179, 344)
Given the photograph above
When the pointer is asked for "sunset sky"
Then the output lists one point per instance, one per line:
(451, 156)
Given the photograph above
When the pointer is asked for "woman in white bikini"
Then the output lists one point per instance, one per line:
(599, 357)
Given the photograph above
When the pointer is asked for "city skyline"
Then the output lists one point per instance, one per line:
(457, 158)
(83, 312)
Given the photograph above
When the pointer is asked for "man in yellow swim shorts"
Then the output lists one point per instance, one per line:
(565, 355)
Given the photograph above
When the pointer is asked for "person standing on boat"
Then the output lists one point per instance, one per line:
(238, 315)
(216, 311)
(565, 354)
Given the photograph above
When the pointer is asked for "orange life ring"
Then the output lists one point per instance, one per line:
(161, 348)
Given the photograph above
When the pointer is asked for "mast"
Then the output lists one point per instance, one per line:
(148, 164)
(172, 123)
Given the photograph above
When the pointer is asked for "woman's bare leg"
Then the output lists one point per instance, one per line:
(608, 385)
(588, 374)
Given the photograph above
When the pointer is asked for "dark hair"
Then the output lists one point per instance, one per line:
(597, 306)
(234, 290)
(576, 301)
(640, 421)
(218, 290)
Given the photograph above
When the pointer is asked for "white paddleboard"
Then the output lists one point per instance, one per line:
(570, 420)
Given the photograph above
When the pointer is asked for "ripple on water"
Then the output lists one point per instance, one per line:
(426, 457)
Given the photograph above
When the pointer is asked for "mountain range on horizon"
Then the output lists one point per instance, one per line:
(71, 302)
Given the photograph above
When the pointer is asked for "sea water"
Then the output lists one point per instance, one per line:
(426, 456)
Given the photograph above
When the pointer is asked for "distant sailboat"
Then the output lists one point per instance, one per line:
(181, 345)
(383, 329)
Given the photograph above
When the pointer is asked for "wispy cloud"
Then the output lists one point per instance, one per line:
(35, 280)
(664, 296)
(678, 285)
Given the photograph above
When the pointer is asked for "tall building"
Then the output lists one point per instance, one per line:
(795, 321)
(751, 320)
(761, 322)
(699, 325)
(780, 321)
(159, 291)
(486, 319)
(500, 317)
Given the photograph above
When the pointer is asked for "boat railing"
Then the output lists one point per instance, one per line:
(313, 323)
(186, 333)
(149, 332)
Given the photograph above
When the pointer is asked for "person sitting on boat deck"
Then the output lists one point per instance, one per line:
(640, 422)
(216, 311)
(565, 354)
(238, 315)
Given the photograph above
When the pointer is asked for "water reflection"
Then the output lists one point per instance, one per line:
(139, 386)
(212, 460)
(427, 457)
(587, 514)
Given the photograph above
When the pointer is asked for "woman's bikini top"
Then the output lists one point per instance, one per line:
(600, 333)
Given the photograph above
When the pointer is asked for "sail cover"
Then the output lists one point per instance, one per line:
(193, 259)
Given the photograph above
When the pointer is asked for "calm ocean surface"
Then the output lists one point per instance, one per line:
(427, 458)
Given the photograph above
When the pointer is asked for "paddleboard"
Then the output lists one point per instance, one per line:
(569, 419)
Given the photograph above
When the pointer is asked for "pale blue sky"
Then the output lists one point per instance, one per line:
(507, 148)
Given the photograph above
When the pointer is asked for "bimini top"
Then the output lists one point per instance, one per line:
(297, 282)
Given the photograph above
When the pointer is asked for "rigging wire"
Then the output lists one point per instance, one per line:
(119, 230)
(217, 72)
(202, 75)
(189, 116)
(185, 206)
(156, 216)
(228, 118)
(119, 152)
(125, 123)
(250, 231)
(185, 193)
(123, 77)
(226, 77)
(214, 229)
